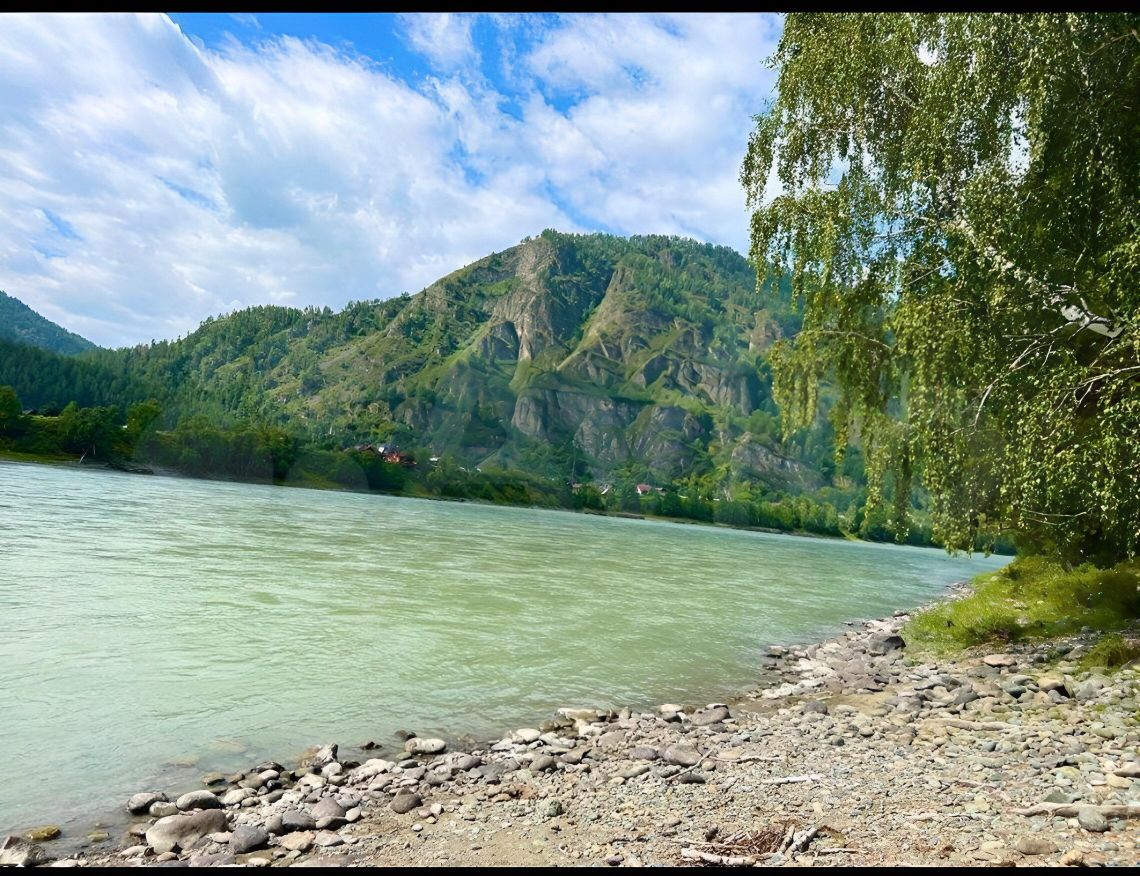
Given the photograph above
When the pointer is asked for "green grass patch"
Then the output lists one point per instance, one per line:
(1111, 652)
(21, 456)
(1032, 597)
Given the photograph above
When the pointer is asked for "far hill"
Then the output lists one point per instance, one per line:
(21, 324)
(567, 355)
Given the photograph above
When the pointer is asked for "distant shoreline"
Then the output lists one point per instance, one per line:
(158, 471)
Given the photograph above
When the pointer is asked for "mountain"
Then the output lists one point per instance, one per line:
(20, 324)
(567, 355)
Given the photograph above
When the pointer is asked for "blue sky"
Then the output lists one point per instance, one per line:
(159, 169)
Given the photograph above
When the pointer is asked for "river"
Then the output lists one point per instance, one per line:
(154, 628)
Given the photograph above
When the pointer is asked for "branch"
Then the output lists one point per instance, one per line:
(792, 780)
(1069, 810)
(720, 860)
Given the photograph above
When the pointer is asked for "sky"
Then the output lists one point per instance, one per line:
(156, 170)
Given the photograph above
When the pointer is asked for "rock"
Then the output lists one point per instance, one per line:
(15, 851)
(644, 752)
(18, 852)
(301, 841)
(710, 716)
(322, 757)
(248, 838)
(180, 831)
(415, 745)
(327, 807)
(588, 715)
(1035, 845)
(295, 819)
(543, 763)
(198, 800)
(43, 833)
(815, 706)
(218, 859)
(1088, 690)
(634, 771)
(612, 739)
(275, 825)
(527, 735)
(326, 839)
(353, 815)
(885, 645)
(550, 809)
(214, 779)
(162, 808)
(1128, 771)
(999, 660)
(141, 802)
(312, 780)
(681, 754)
(1090, 819)
(405, 802)
(237, 795)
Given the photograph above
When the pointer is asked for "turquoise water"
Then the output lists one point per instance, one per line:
(147, 622)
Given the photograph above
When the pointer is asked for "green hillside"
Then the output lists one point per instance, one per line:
(570, 356)
(20, 324)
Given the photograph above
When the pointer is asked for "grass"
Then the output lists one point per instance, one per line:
(1032, 597)
(1111, 652)
(22, 456)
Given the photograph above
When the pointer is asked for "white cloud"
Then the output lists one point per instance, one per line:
(442, 37)
(149, 182)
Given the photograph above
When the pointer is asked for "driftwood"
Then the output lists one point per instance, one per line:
(1069, 810)
(977, 725)
(838, 852)
(792, 780)
(803, 840)
(751, 758)
(720, 860)
(797, 842)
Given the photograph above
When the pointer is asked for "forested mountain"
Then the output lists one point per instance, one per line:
(576, 356)
(21, 324)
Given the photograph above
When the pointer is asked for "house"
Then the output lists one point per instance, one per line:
(398, 457)
(644, 489)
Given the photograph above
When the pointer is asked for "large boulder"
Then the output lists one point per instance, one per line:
(18, 852)
(327, 807)
(180, 831)
(297, 819)
(681, 755)
(415, 745)
(198, 800)
(885, 645)
(248, 838)
(322, 757)
(714, 715)
(141, 802)
(405, 802)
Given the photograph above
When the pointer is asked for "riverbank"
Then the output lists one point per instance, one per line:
(166, 471)
(852, 752)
